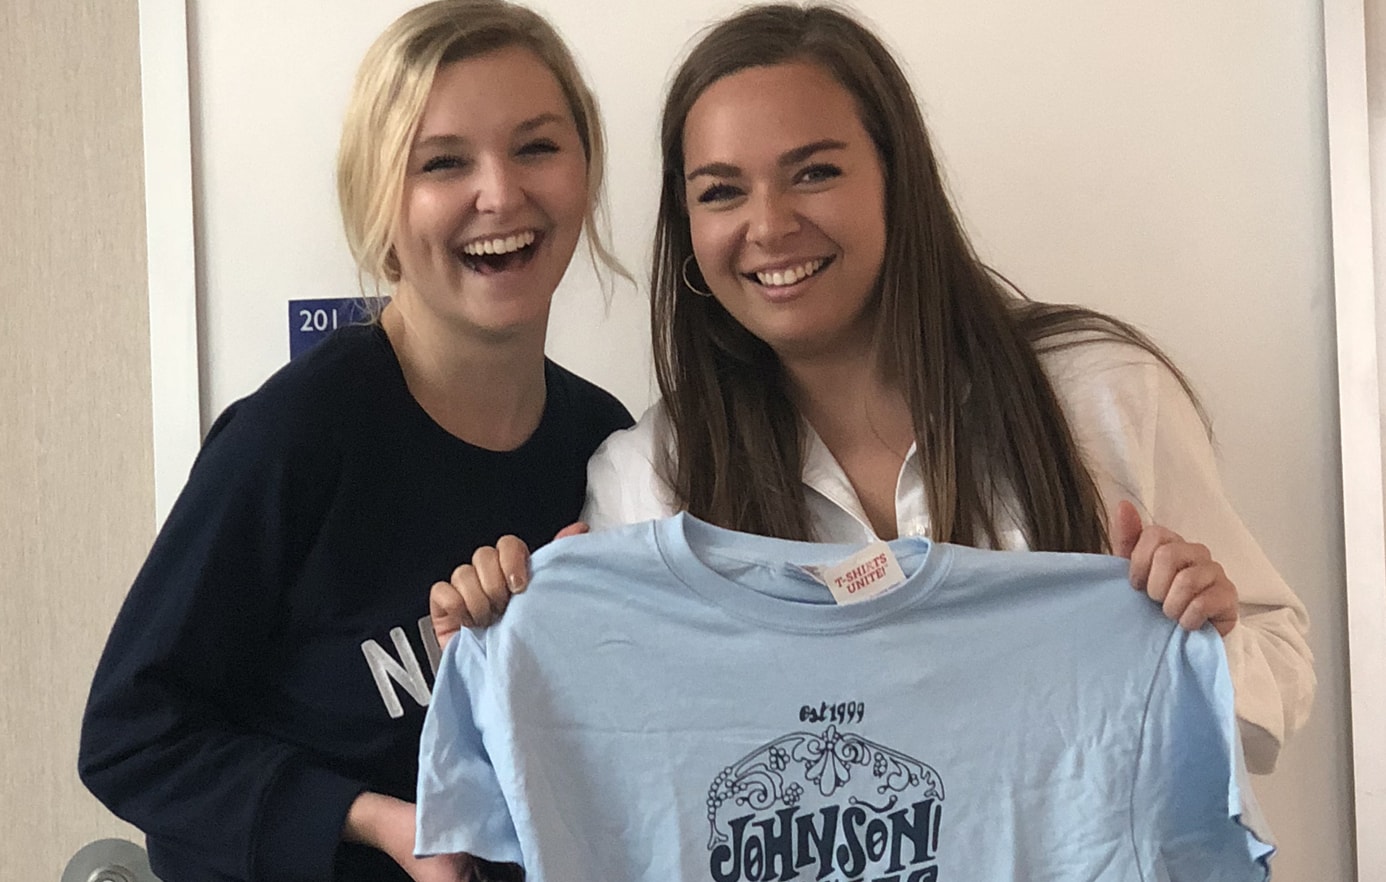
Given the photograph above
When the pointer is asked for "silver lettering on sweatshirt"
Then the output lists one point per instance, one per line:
(405, 671)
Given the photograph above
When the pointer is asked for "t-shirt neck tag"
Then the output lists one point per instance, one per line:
(868, 574)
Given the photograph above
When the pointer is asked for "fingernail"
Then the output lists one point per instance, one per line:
(517, 583)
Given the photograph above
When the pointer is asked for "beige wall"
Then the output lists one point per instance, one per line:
(75, 469)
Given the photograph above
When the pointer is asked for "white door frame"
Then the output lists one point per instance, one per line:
(170, 248)
(1360, 406)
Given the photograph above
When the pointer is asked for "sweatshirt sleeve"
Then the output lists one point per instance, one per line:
(1146, 443)
(166, 742)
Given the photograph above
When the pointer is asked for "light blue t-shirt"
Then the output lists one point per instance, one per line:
(671, 702)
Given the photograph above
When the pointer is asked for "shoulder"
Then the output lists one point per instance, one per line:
(640, 443)
(608, 549)
(1115, 386)
(1102, 368)
(625, 482)
(583, 403)
(316, 400)
(273, 460)
(338, 375)
(598, 568)
(1132, 417)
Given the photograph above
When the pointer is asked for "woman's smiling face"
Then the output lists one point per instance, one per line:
(494, 196)
(786, 205)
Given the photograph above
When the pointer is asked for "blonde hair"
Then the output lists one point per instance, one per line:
(387, 102)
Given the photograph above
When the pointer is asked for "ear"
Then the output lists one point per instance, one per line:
(390, 265)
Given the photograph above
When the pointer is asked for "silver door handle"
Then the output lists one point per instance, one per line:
(109, 860)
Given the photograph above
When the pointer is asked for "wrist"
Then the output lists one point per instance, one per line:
(381, 822)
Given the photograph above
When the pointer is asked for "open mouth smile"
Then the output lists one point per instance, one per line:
(785, 277)
(498, 254)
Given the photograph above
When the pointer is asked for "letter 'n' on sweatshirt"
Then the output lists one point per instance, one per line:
(405, 671)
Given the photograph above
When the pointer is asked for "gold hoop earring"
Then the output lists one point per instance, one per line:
(692, 287)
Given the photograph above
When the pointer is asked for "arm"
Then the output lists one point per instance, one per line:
(387, 824)
(169, 740)
(1146, 444)
(1268, 654)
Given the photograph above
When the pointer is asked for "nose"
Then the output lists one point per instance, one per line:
(498, 186)
(772, 217)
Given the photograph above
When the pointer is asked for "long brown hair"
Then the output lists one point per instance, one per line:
(961, 343)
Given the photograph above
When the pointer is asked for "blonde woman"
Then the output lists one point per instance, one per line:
(258, 706)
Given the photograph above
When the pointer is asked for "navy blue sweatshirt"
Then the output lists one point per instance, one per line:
(273, 658)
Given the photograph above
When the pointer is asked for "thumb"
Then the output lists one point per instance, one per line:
(1126, 529)
(574, 529)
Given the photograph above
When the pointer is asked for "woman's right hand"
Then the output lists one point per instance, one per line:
(479, 592)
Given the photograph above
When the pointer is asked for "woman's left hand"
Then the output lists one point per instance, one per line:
(387, 823)
(1179, 575)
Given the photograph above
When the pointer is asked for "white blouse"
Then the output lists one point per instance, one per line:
(1142, 439)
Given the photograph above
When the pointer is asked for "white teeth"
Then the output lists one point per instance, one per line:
(792, 276)
(500, 246)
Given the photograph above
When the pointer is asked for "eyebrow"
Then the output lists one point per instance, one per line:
(539, 121)
(792, 157)
(524, 128)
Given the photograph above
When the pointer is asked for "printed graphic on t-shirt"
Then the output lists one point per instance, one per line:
(829, 806)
